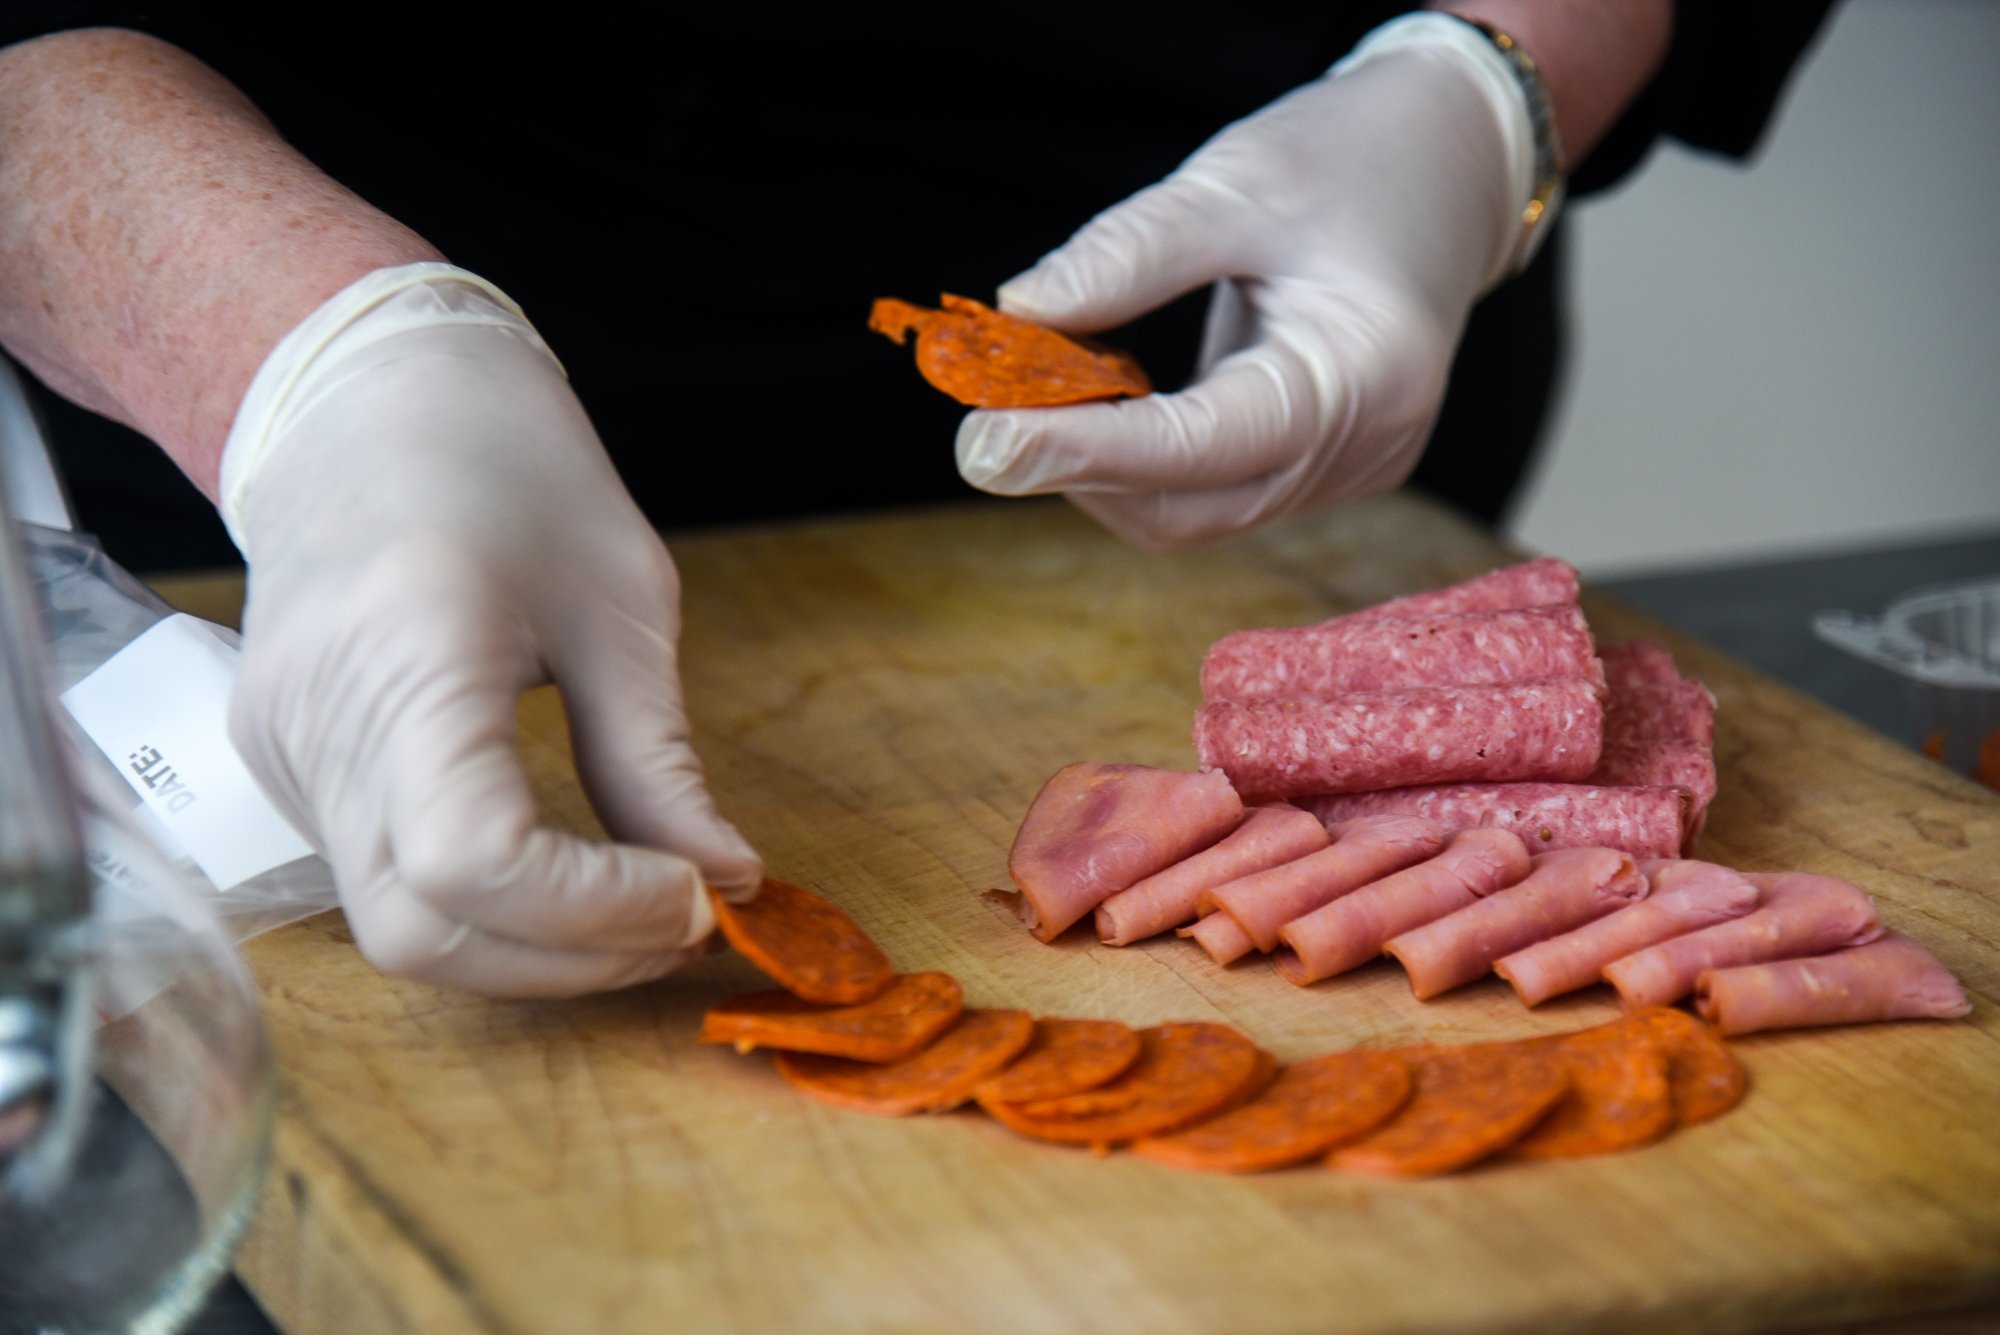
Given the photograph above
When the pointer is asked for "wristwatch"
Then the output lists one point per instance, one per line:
(1551, 168)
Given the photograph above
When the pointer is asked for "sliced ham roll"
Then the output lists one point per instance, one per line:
(1685, 896)
(1645, 822)
(1561, 890)
(1363, 850)
(1799, 914)
(1892, 978)
(1094, 830)
(1350, 931)
(1268, 837)
(1221, 937)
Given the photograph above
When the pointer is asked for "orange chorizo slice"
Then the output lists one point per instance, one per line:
(1311, 1107)
(1618, 1098)
(1704, 1078)
(937, 1079)
(989, 360)
(1065, 1057)
(1185, 1072)
(805, 944)
(898, 1024)
(1470, 1102)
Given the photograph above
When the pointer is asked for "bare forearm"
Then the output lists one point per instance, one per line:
(157, 237)
(1596, 55)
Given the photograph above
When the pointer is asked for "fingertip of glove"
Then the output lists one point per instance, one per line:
(987, 445)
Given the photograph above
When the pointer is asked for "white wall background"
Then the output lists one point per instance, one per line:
(1803, 355)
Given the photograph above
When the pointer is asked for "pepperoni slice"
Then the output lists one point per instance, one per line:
(1619, 1097)
(1185, 1072)
(805, 944)
(940, 1077)
(1065, 1057)
(898, 1024)
(1470, 1102)
(1311, 1107)
(989, 360)
(1704, 1078)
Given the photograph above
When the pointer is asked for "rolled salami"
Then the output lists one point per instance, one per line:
(1685, 896)
(1799, 914)
(1638, 663)
(1645, 822)
(1549, 730)
(1398, 654)
(1538, 583)
(1892, 978)
(1268, 837)
(1642, 712)
(1363, 850)
(1562, 890)
(1350, 931)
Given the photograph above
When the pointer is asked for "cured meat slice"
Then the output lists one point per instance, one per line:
(990, 360)
(1562, 890)
(1311, 1107)
(1619, 1095)
(1065, 1057)
(1358, 743)
(897, 1024)
(1399, 654)
(1645, 822)
(1185, 1072)
(1703, 1075)
(1267, 837)
(1684, 711)
(1892, 978)
(1685, 896)
(1470, 1102)
(936, 1079)
(805, 945)
(1538, 583)
(1094, 830)
(1364, 850)
(1659, 764)
(1222, 937)
(1350, 931)
(1798, 914)
(1637, 663)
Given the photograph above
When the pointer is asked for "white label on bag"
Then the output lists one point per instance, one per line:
(159, 710)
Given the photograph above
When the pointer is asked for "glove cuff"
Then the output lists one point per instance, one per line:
(378, 305)
(1506, 77)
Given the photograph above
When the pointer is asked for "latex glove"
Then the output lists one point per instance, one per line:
(431, 525)
(1350, 225)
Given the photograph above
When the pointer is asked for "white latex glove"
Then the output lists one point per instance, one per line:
(431, 525)
(1350, 226)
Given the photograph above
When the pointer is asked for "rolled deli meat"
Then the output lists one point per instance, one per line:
(1363, 850)
(1395, 654)
(1350, 931)
(1892, 978)
(1637, 663)
(1538, 583)
(1551, 730)
(1645, 711)
(1562, 890)
(1645, 822)
(1269, 836)
(1798, 914)
(1684, 896)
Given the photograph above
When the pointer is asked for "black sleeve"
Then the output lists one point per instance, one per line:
(22, 19)
(1718, 87)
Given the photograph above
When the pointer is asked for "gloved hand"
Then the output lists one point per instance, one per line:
(431, 525)
(1349, 227)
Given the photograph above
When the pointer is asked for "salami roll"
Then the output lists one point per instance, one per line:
(1638, 663)
(1684, 711)
(1659, 764)
(1893, 978)
(1268, 837)
(1539, 583)
(1645, 822)
(1357, 743)
(1397, 654)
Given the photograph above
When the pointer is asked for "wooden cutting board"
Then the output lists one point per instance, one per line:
(877, 701)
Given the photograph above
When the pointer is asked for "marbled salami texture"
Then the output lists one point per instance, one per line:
(1645, 822)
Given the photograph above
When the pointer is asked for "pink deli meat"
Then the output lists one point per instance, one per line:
(1646, 712)
(1359, 743)
(1363, 851)
(1267, 837)
(1350, 931)
(1645, 822)
(1659, 764)
(1798, 914)
(1638, 663)
(1397, 654)
(1685, 897)
(1094, 830)
(1562, 890)
(1538, 583)
(1893, 978)
(1222, 937)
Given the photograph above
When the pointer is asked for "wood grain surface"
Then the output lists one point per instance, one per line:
(877, 701)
